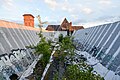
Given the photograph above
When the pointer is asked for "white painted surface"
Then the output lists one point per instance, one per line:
(99, 68)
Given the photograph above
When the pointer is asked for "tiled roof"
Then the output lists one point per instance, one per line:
(77, 27)
(64, 23)
(53, 27)
(8, 24)
(64, 26)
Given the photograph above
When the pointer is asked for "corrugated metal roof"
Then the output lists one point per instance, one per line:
(13, 36)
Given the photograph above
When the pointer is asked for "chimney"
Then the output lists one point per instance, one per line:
(70, 23)
(28, 20)
(70, 26)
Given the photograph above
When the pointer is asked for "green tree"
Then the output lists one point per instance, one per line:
(44, 48)
(81, 71)
(64, 49)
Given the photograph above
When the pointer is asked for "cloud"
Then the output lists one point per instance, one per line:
(51, 3)
(108, 18)
(46, 18)
(105, 2)
(79, 21)
(74, 16)
(87, 10)
(67, 8)
(37, 10)
(66, 0)
(64, 5)
(29, 0)
(102, 20)
(8, 4)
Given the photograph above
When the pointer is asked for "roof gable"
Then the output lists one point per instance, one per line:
(64, 23)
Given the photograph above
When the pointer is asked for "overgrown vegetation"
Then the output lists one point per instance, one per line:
(68, 67)
(44, 48)
(80, 72)
(64, 65)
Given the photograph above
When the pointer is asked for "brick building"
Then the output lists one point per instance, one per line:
(65, 25)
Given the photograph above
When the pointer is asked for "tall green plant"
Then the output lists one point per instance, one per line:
(81, 71)
(66, 46)
(44, 48)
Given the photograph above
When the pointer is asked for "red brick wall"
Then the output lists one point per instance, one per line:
(28, 20)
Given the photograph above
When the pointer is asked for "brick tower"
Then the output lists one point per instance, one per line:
(28, 20)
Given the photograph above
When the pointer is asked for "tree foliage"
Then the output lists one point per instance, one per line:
(44, 48)
(74, 72)
(80, 71)
(65, 49)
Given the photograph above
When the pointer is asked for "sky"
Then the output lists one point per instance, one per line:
(80, 12)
